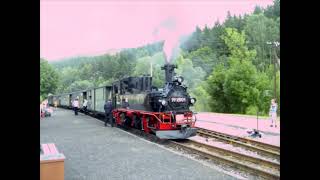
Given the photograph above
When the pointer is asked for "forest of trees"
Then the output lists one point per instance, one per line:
(49, 79)
(230, 67)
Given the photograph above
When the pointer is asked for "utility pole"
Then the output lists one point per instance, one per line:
(274, 45)
(151, 67)
(275, 78)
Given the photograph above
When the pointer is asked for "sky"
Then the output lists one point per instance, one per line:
(71, 28)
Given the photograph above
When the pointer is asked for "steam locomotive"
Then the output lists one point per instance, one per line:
(164, 111)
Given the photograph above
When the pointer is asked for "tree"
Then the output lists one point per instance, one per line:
(86, 71)
(273, 11)
(219, 102)
(234, 22)
(203, 98)
(80, 85)
(236, 87)
(194, 42)
(68, 75)
(236, 44)
(240, 85)
(205, 58)
(258, 10)
(158, 77)
(125, 61)
(260, 30)
(193, 76)
(215, 42)
(143, 66)
(48, 79)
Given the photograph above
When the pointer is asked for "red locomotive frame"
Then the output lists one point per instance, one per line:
(156, 121)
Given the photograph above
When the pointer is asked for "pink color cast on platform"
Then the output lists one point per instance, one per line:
(238, 125)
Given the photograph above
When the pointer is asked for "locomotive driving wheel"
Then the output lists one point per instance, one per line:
(122, 118)
(137, 122)
(125, 120)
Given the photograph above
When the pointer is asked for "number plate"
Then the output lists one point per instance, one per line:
(178, 100)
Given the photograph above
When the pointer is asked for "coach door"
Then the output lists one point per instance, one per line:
(90, 100)
(108, 92)
(85, 95)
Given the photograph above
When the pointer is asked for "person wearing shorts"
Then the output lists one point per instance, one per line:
(273, 113)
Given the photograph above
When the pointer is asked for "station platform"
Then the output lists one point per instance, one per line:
(93, 151)
(238, 125)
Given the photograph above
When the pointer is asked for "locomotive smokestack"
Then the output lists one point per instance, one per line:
(169, 71)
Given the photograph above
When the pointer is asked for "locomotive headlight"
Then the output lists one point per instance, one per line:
(180, 79)
(164, 102)
(193, 100)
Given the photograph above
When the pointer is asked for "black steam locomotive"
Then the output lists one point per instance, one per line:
(173, 97)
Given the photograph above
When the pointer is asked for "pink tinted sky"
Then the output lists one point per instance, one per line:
(91, 27)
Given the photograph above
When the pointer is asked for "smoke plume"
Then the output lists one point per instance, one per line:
(167, 31)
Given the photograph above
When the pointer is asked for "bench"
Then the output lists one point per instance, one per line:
(51, 163)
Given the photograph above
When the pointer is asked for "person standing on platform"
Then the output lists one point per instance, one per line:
(125, 103)
(273, 113)
(41, 111)
(89, 103)
(43, 107)
(108, 113)
(76, 106)
(55, 104)
(85, 102)
(44, 104)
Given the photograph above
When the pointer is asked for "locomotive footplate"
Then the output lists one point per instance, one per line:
(176, 134)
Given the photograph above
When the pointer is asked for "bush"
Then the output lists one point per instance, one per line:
(251, 110)
(203, 99)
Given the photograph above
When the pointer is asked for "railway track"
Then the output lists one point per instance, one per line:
(263, 149)
(256, 166)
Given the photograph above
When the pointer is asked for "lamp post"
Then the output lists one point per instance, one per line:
(151, 67)
(274, 45)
